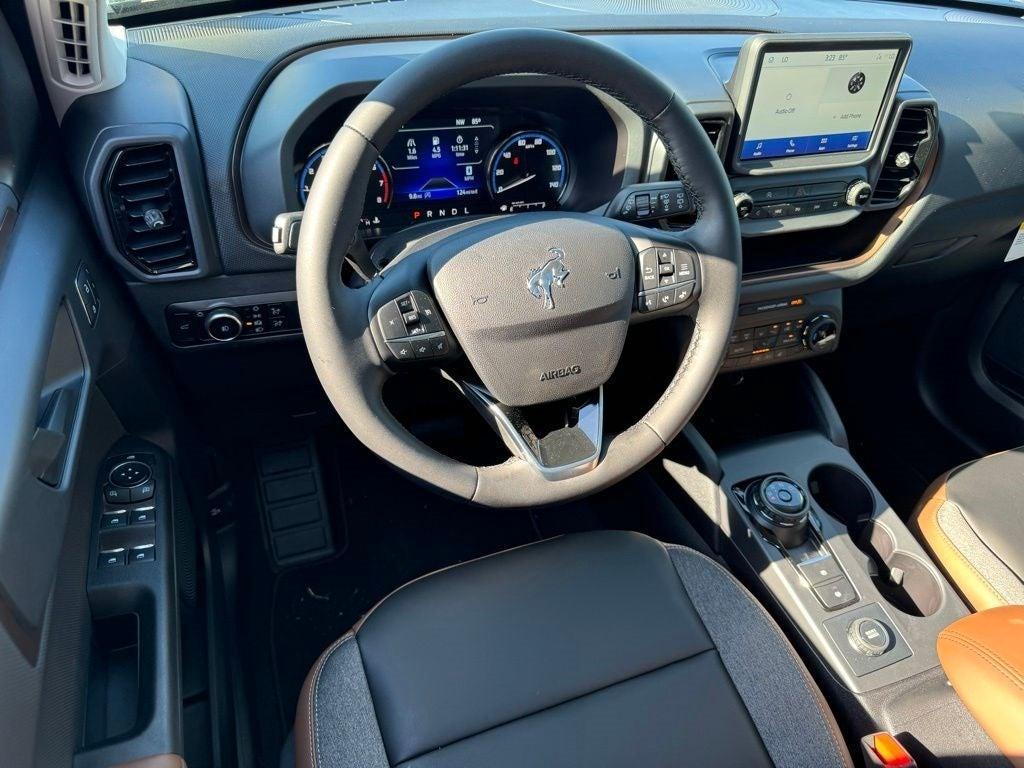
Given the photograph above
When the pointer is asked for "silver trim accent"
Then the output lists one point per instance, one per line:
(590, 422)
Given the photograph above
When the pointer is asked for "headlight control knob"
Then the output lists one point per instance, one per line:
(223, 324)
(744, 204)
(821, 334)
(858, 194)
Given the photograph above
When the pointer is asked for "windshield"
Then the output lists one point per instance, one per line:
(356, 11)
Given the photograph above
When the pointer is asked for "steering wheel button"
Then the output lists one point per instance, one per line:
(422, 349)
(439, 346)
(401, 350)
(412, 317)
(666, 298)
(390, 320)
(683, 292)
(405, 303)
(664, 256)
(649, 301)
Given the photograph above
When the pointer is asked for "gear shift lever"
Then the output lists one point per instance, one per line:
(779, 506)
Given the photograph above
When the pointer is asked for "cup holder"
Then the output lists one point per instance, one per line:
(903, 579)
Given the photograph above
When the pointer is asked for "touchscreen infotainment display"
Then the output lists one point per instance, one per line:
(817, 102)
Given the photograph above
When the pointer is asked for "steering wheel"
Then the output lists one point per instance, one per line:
(538, 304)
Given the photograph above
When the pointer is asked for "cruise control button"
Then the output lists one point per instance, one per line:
(683, 293)
(401, 350)
(439, 346)
(390, 319)
(405, 303)
(421, 349)
(835, 594)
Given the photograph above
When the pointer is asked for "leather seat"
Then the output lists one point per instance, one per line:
(598, 649)
(972, 520)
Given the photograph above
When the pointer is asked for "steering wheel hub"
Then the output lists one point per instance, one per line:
(540, 303)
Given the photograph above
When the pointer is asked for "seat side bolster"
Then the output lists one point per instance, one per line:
(983, 657)
(779, 682)
(972, 584)
(335, 722)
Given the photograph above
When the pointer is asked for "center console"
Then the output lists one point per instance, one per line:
(838, 559)
(786, 504)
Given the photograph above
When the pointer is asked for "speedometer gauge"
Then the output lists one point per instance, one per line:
(528, 172)
(378, 191)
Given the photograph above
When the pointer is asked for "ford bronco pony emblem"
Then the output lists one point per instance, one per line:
(552, 272)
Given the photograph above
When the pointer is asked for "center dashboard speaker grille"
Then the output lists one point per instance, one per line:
(905, 157)
(147, 209)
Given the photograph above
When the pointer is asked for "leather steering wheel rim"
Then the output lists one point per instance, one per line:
(334, 316)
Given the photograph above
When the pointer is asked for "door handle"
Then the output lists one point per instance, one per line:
(50, 440)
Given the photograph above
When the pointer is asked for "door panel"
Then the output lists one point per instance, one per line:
(55, 430)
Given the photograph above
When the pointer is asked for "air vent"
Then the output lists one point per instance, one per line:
(147, 209)
(715, 129)
(71, 28)
(903, 161)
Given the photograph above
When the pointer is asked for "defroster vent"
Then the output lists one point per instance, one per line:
(905, 158)
(147, 209)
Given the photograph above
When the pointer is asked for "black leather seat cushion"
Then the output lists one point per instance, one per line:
(583, 650)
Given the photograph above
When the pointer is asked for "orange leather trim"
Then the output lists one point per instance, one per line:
(969, 582)
(983, 657)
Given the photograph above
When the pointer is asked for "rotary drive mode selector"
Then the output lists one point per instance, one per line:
(780, 507)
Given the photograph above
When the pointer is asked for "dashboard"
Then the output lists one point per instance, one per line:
(878, 150)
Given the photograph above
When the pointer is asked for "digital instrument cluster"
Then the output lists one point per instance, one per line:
(456, 166)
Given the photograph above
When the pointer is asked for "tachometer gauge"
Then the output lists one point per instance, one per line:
(528, 172)
(378, 191)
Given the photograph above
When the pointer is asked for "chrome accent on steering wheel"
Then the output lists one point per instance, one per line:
(562, 453)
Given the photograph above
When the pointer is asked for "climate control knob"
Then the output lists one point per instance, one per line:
(744, 204)
(223, 324)
(821, 334)
(858, 194)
